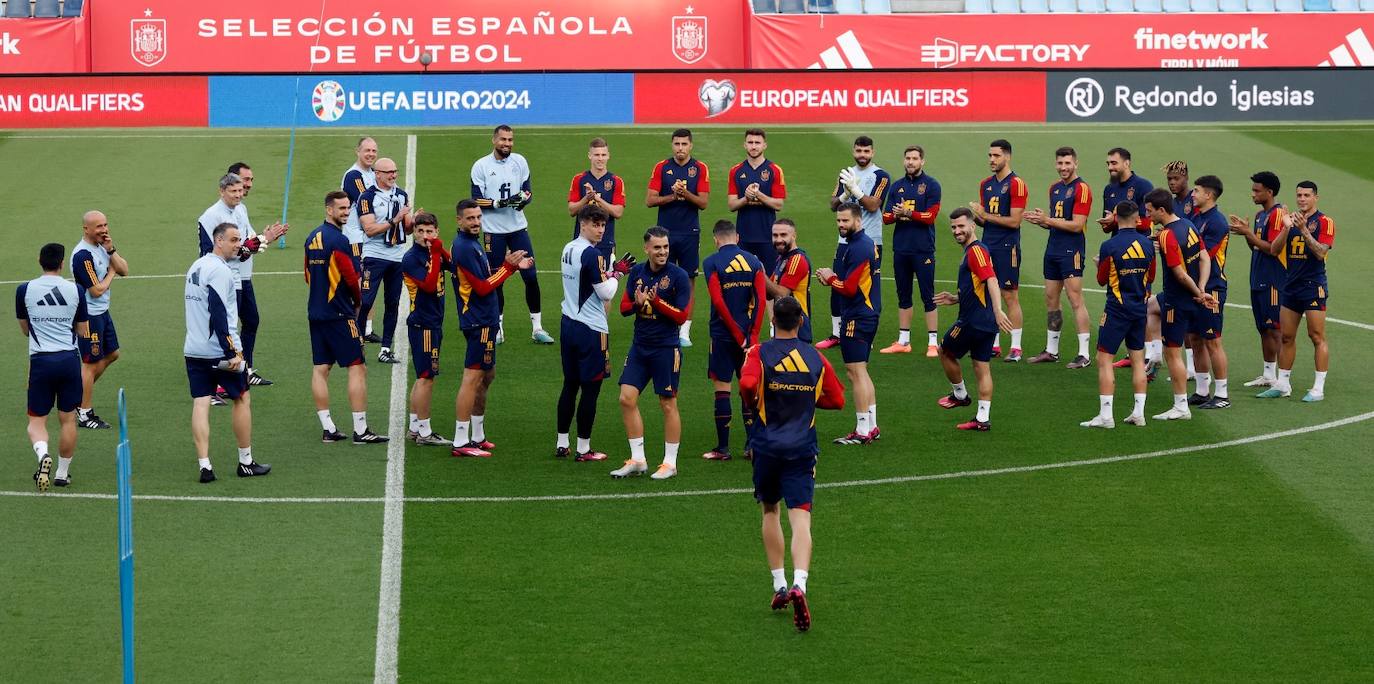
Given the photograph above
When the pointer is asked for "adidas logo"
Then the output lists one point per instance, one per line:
(853, 51)
(1135, 252)
(1357, 43)
(738, 264)
(53, 298)
(792, 363)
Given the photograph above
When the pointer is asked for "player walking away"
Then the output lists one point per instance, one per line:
(95, 263)
(356, 180)
(856, 281)
(786, 380)
(659, 296)
(792, 274)
(756, 191)
(1125, 266)
(249, 319)
(1302, 244)
(1176, 177)
(385, 215)
(332, 308)
(913, 204)
(214, 353)
(501, 187)
(1071, 201)
(736, 280)
(589, 283)
(600, 188)
(680, 186)
(1186, 267)
(1266, 271)
(423, 268)
(52, 314)
(975, 331)
(1002, 201)
(1125, 185)
(479, 316)
(1205, 337)
(865, 185)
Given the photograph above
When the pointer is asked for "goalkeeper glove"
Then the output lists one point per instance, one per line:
(623, 265)
(251, 246)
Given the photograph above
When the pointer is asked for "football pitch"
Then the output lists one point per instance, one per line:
(1237, 546)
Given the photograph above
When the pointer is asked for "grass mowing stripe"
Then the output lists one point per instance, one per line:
(393, 515)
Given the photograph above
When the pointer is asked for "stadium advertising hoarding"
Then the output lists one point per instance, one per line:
(1291, 95)
(1062, 41)
(420, 100)
(266, 36)
(819, 97)
(99, 101)
(43, 46)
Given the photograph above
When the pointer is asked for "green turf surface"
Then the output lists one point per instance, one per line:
(1246, 562)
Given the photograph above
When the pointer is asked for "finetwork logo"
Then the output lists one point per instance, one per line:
(328, 101)
(1356, 51)
(944, 53)
(848, 44)
(1084, 97)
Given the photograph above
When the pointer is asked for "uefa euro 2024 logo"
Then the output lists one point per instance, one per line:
(717, 96)
(327, 101)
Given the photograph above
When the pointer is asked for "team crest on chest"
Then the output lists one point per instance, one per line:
(921, 189)
(764, 175)
(608, 184)
(1130, 193)
(692, 172)
(665, 283)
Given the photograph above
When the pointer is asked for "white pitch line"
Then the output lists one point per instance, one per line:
(384, 669)
(961, 474)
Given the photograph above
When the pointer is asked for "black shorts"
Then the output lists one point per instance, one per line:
(481, 352)
(663, 365)
(918, 266)
(792, 480)
(100, 341)
(684, 250)
(1114, 331)
(54, 379)
(856, 339)
(586, 353)
(724, 360)
(204, 378)
(1264, 304)
(336, 342)
(424, 349)
(961, 339)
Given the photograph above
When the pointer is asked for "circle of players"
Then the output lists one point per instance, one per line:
(1171, 240)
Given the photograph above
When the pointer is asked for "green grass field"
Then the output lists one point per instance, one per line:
(939, 554)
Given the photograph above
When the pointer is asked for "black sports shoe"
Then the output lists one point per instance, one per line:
(1198, 399)
(206, 475)
(369, 437)
(372, 337)
(92, 422)
(62, 481)
(1216, 403)
(562, 452)
(780, 599)
(329, 437)
(257, 380)
(41, 476)
(254, 469)
(387, 356)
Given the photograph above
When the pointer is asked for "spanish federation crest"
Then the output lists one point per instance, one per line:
(1130, 194)
(689, 38)
(921, 189)
(148, 40)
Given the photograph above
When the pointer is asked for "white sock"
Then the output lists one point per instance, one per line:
(422, 427)
(501, 325)
(1181, 401)
(1104, 406)
(997, 341)
(1221, 391)
(360, 422)
(637, 449)
(779, 579)
(62, 465)
(670, 453)
(960, 392)
(537, 320)
(1016, 338)
(1083, 344)
(584, 445)
(460, 433)
(479, 428)
(1154, 351)
(873, 414)
(685, 332)
(1188, 361)
(326, 421)
(204, 463)
(1319, 383)
(563, 442)
(369, 327)
(984, 409)
(1270, 369)
(932, 339)
(83, 413)
(834, 326)
(799, 579)
(1051, 342)
(861, 424)
(904, 336)
(245, 455)
(1139, 409)
(1204, 383)
(414, 421)
(40, 449)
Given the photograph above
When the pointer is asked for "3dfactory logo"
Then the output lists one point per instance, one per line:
(945, 53)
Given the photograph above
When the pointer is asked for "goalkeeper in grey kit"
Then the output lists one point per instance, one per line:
(501, 186)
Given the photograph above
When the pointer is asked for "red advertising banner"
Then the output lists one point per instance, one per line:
(93, 101)
(43, 46)
(820, 97)
(363, 36)
(1077, 41)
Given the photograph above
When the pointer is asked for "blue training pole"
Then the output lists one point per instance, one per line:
(126, 539)
(290, 157)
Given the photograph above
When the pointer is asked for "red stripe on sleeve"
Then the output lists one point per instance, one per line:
(1104, 269)
(1083, 200)
(760, 302)
(832, 390)
(1018, 193)
(980, 263)
(779, 186)
(730, 186)
(575, 192)
(850, 286)
(797, 270)
(1327, 231)
(750, 376)
(718, 301)
(655, 178)
(929, 215)
(344, 263)
(1173, 255)
(704, 185)
(618, 194)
